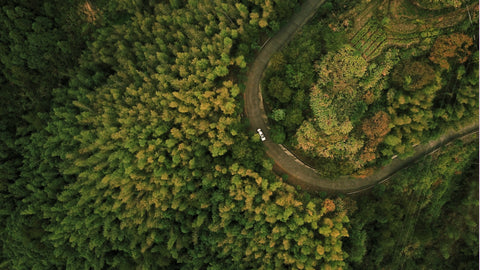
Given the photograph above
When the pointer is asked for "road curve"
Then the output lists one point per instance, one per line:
(285, 162)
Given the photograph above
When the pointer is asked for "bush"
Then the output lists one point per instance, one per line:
(277, 134)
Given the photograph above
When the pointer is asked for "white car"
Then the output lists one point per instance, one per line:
(262, 136)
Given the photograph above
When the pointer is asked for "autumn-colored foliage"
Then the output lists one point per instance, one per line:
(328, 205)
(368, 97)
(377, 126)
(368, 155)
(130, 152)
(427, 209)
(413, 75)
(346, 86)
(454, 48)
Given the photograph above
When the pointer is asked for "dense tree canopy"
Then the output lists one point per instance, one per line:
(122, 142)
(423, 218)
(339, 100)
(420, 86)
(139, 157)
(454, 47)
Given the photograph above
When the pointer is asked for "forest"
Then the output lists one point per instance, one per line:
(367, 84)
(124, 143)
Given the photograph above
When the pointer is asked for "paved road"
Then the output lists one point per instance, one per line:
(285, 162)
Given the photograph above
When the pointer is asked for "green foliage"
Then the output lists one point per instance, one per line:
(122, 144)
(278, 134)
(457, 102)
(439, 4)
(338, 101)
(353, 80)
(40, 44)
(332, 101)
(413, 76)
(426, 217)
(392, 140)
(293, 69)
(39, 49)
(278, 115)
(339, 71)
(427, 101)
(140, 159)
(279, 90)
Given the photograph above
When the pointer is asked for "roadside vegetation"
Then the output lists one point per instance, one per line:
(123, 143)
(425, 217)
(356, 89)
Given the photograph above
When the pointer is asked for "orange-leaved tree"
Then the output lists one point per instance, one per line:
(452, 48)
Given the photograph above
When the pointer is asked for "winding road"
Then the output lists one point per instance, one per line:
(285, 162)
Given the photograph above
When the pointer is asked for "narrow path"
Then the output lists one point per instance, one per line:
(285, 162)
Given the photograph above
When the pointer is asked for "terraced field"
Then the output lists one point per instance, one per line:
(370, 40)
(386, 23)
